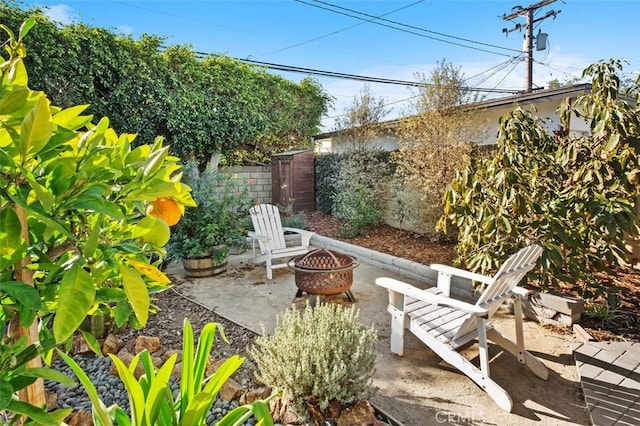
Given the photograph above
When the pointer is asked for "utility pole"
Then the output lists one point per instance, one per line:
(527, 12)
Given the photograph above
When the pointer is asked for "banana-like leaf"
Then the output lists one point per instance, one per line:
(223, 372)
(136, 292)
(186, 374)
(205, 342)
(159, 386)
(49, 374)
(75, 297)
(197, 410)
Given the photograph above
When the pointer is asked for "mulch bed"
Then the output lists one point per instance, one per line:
(623, 322)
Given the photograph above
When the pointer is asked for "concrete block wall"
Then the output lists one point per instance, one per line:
(460, 288)
(258, 179)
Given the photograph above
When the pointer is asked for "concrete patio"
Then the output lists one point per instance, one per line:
(418, 388)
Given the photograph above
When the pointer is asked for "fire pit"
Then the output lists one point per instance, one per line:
(324, 272)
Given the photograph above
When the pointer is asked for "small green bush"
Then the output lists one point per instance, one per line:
(295, 221)
(317, 355)
(360, 208)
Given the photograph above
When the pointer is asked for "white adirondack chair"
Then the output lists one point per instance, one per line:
(269, 233)
(445, 324)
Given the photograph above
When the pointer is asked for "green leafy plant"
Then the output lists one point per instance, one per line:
(297, 221)
(208, 229)
(603, 311)
(316, 356)
(74, 235)
(201, 106)
(360, 189)
(16, 375)
(575, 196)
(151, 401)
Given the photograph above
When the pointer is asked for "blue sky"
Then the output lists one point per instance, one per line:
(306, 34)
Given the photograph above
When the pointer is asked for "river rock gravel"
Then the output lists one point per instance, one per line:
(167, 324)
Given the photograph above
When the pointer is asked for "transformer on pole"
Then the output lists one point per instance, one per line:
(541, 38)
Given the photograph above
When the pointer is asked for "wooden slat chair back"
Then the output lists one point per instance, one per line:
(446, 324)
(270, 235)
(266, 221)
(512, 271)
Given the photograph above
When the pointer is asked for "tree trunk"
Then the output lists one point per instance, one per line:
(34, 393)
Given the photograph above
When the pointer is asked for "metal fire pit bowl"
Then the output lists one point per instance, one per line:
(324, 272)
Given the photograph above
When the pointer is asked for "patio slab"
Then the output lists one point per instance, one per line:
(610, 376)
(418, 388)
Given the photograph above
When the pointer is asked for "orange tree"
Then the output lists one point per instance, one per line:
(74, 237)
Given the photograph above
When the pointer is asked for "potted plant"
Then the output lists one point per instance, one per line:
(202, 237)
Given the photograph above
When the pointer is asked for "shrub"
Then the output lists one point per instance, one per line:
(295, 221)
(575, 195)
(360, 189)
(326, 169)
(316, 356)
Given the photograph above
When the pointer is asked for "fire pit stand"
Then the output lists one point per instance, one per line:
(324, 272)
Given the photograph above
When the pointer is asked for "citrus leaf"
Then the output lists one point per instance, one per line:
(22, 293)
(75, 297)
(36, 129)
(136, 292)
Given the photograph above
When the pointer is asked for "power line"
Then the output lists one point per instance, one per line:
(340, 30)
(380, 18)
(403, 30)
(528, 12)
(335, 74)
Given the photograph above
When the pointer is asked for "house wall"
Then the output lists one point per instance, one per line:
(546, 111)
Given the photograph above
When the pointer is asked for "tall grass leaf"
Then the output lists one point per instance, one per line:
(89, 388)
(136, 396)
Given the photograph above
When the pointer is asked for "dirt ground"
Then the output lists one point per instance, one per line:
(621, 322)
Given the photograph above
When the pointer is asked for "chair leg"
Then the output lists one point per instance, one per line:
(534, 364)
(269, 268)
(397, 331)
(450, 356)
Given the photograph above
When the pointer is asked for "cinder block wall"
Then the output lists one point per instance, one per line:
(258, 179)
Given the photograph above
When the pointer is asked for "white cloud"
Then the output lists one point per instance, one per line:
(60, 13)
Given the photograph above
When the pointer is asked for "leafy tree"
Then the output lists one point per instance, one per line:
(361, 123)
(75, 239)
(575, 196)
(201, 106)
(360, 183)
(435, 141)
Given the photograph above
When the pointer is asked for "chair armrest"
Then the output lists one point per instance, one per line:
(461, 273)
(519, 291)
(257, 236)
(298, 231)
(304, 234)
(409, 290)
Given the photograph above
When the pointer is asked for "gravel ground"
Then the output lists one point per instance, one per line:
(167, 324)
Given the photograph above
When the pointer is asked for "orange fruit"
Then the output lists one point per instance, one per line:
(165, 209)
